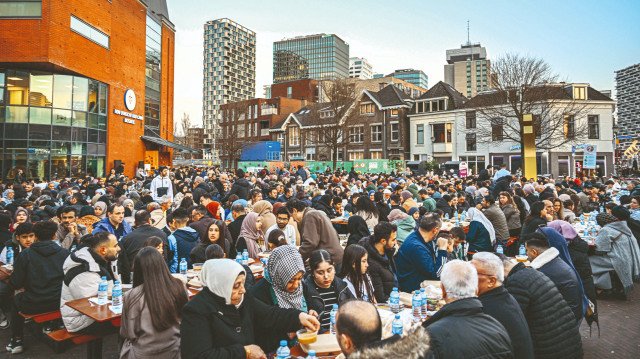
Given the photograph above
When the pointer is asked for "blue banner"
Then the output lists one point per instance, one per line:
(590, 153)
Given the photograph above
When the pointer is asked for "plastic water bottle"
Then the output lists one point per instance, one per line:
(116, 297)
(601, 209)
(394, 300)
(283, 352)
(183, 266)
(397, 326)
(499, 249)
(312, 354)
(9, 255)
(464, 215)
(522, 250)
(423, 296)
(416, 306)
(446, 216)
(245, 257)
(582, 219)
(103, 287)
(332, 319)
(239, 258)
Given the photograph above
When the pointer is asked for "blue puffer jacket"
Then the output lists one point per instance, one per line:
(105, 226)
(418, 261)
(479, 238)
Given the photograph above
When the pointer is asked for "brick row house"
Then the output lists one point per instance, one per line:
(375, 127)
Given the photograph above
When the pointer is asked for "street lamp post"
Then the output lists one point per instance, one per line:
(433, 139)
(615, 148)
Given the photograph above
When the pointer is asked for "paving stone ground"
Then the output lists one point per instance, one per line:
(619, 336)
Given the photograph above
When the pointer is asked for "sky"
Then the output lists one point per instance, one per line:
(583, 41)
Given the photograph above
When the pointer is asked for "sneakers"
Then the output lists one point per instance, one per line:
(4, 322)
(15, 346)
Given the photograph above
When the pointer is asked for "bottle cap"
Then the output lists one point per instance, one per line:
(395, 289)
(397, 316)
(283, 343)
(335, 306)
(104, 278)
(312, 353)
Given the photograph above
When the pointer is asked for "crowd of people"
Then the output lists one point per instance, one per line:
(333, 238)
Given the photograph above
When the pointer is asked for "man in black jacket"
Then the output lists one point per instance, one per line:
(37, 270)
(460, 329)
(547, 261)
(499, 304)
(551, 323)
(134, 241)
(238, 212)
(382, 267)
(240, 187)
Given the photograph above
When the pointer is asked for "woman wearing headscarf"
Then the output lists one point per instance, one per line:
(623, 214)
(358, 229)
(405, 223)
(616, 250)
(222, 320)
(100, 209)
(536, 218)
(470, 194)
(579, 255)
(366, 209)
(251, 236)
(265, 210)
(21, 215)
(282, 287)
(481, 235)
(7, 196)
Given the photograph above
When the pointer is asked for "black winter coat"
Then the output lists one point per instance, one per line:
(499, 304)
(198, 253)
(131, 245)
(201, 190)
(530, 227)
(567, 283)
(461, 330)
(240, 188)
(234, 228)
(551, 322)
(444, 206)
(211, 329)
(267, 338)
(38, 269)
(579, 252)
(381, 271)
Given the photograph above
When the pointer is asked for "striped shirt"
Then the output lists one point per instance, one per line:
(329, 297)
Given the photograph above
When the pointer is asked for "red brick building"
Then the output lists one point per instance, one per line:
(305, 89)
(85, 84)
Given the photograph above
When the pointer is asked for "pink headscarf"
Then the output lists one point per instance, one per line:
(568, 232)
(250, 234)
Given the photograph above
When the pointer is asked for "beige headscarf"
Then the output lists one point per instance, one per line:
(219, 275)
(265, 210)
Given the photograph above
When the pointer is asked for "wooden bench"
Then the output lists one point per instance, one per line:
(42, 317)
(62, 335)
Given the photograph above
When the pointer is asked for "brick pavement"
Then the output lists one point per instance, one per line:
(619, 336)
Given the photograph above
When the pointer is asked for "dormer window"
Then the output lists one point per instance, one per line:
(579, 92)
(367, 109)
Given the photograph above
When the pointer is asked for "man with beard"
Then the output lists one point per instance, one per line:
(83, 271)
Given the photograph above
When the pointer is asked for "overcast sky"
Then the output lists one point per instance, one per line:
(583, 41)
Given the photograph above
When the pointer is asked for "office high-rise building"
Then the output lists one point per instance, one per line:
(318, 57)
(229, 70)
(416, 77)
(360, 68)
(468, 69)
(628, 98)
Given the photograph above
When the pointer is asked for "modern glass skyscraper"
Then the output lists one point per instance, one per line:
(318, 57)
(416, 77)
(229, 70)
(468, 69)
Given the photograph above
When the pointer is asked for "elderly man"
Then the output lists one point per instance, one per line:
(460, 329)
(499, 304)
(69, 232)
(359, 332)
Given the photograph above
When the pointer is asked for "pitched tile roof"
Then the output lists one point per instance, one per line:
(542, 93)
(442, 89)
(390, 97)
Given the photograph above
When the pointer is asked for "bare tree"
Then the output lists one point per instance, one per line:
(181, 129)
(527, 85)
(232, 134)
(329, 121)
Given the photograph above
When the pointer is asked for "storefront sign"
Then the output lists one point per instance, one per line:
(517, 147)
(127, 114)
(129, 121)
(462, 169)
(590, 153)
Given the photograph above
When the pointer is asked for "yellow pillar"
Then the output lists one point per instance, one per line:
(529, 147)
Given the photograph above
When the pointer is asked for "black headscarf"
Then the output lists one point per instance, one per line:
(357, 229)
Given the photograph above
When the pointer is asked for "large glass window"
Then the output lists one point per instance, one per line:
(80, 93)
(17, 9)
(594, 127)
(420, 134)
(102, 99)
(41, 90)
(2, 77)
(93, 96)
(40, 115)
(438, 133)
(18, 87)
(16, 114)
(79, 119)
(153, 74)
(90, 32)
(62, 117)
(62, 91)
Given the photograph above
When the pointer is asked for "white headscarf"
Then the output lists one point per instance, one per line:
(219, 275)
(475, 214)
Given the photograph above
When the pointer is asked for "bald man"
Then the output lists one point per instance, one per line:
(359, 333)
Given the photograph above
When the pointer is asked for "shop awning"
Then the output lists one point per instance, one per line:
(163, 142)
